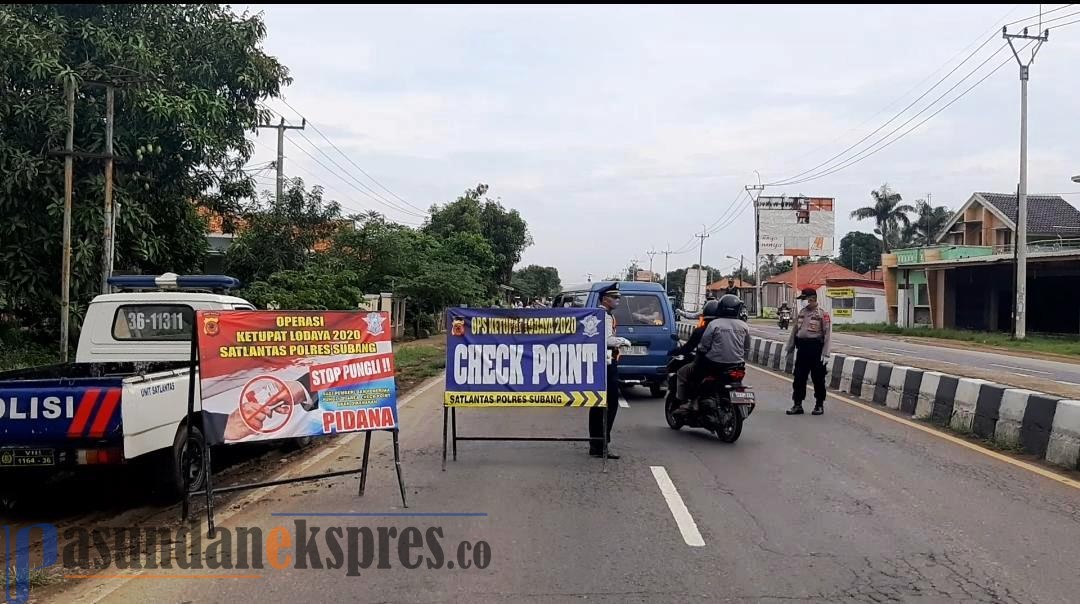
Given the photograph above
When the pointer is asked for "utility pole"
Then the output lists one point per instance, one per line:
(109, 239)
(701, 264)
(281, 128)
(69, 184)
(666, 254)
(750, 189)
(1020, 311)
(651, 253)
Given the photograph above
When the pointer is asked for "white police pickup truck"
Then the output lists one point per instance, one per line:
(125, 396)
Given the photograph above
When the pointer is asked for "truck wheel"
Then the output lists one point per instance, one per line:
(187, 460)
(296, 444)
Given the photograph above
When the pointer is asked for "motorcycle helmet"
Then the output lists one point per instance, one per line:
(711, 310)
(730, 306)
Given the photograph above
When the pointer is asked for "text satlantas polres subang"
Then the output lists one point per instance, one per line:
(552, 364)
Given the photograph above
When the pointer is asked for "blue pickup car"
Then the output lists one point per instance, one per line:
(644, 317)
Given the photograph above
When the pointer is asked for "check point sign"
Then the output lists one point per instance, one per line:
(552, 357)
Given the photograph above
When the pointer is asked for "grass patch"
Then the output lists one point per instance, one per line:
(1063, 345)
(418, 363)
(20, 355)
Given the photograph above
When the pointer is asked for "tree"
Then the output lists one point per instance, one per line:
(771, 266)
(280, 234)
(535, 281)
(888, 214)
(744, 274)
(313, 288)
(505, 230)
(859, 252)
(193, 78)
(927, 224)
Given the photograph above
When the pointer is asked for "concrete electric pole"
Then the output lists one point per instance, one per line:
(281, 128)
(750, 189)
(1020, 310)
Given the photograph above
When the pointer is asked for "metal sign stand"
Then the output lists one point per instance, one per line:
(450, 416)
(209, 491)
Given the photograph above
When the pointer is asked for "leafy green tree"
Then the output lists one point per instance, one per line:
(859, 252)
(888, 213)
(312, 288)
(281, 234)
(191, 79)
(535, 281)
(926, 225)
(505, 230)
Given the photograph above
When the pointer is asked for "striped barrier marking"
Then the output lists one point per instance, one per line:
(882, 382)
(1064, 446)
(837, 368)
(1014, 402)
(944, 399)
(924, 404)
(858, 371)
(965, 400)
(912, 385)
(1038, 423)
(988, 410)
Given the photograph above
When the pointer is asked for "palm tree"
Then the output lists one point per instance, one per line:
(888, 214)
(928, 223)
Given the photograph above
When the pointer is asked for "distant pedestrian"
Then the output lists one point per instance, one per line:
(810, 337)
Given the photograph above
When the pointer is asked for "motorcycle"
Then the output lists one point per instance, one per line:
(723, 402)
(784, 319)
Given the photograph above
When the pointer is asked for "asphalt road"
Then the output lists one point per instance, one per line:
(1067, 374)
(847, 507)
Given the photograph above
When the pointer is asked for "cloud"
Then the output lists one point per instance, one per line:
(618, 130)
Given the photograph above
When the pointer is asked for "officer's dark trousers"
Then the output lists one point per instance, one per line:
(596, 414)
(808, 363)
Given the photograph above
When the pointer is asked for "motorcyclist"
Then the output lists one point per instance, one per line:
(708, 313)
(725, 342)
(784, 307)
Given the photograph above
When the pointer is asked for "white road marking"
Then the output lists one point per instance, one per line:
(899, 350)
(1014, 367)
(683, 519)
(624, 404)
(1067, 383)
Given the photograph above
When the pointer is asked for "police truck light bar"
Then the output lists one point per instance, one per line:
(172, 281)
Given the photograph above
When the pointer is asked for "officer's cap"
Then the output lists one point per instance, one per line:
(611, 291)
(808, 292)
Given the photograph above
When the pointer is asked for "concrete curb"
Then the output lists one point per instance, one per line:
(1033, 422)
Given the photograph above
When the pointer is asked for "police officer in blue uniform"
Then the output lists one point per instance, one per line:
(609, 300)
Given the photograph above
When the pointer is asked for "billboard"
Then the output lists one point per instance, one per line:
(795, 226)
(267, 375)
(548, 357)
(694, 289)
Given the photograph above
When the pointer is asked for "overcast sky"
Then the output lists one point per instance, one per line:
(615, 130)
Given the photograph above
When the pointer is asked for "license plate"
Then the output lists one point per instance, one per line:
(15, 458)
(742, 397)
(637, 351)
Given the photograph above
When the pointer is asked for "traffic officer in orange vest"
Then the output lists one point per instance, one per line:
(810, 337)
(609, 300)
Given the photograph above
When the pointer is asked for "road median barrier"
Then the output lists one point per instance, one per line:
(1036, 423)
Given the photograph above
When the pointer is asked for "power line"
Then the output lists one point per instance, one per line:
(890, 120)
(367, 190)
(854, 160)
(363, 187)
(993, 31)
(349, 159)
(795, 179)
(325, 167)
